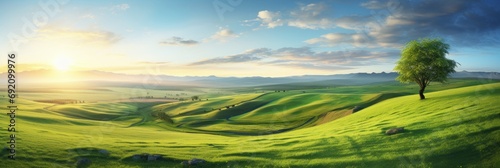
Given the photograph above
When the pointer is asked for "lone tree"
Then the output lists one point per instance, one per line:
(193, 98)
(424, 62)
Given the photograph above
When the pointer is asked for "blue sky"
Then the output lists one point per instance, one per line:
(243, 37)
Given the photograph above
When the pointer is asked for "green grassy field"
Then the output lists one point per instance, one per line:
(457, 125)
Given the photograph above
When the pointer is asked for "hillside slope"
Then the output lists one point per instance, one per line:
(452, 128)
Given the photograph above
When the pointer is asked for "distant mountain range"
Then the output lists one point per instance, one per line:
(101, 78)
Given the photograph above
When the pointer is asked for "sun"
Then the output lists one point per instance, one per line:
(62, 63)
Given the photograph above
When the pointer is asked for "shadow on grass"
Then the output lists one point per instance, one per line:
(166, 161)
(406, 132)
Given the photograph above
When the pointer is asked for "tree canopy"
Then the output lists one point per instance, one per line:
(195, 98)
(424, 61)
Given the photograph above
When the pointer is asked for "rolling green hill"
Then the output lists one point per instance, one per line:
(451, 128)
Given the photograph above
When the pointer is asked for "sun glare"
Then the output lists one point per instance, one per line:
(62, 63)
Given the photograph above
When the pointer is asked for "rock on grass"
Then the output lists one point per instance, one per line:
(194, 162)
(146, 157)
(393, 131)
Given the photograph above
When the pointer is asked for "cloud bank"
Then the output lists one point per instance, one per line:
(393, 23)
(177, 41)
(305, 57)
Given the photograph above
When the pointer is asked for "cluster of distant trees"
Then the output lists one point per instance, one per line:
(177, 94)
(76, 101)
(142, 97)
(62, 101)
(163, 116)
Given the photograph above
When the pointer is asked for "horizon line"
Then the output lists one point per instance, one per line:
(122, 73)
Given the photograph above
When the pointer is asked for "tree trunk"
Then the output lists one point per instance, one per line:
(421, 92)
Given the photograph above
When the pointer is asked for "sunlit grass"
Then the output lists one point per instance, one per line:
(451, 128)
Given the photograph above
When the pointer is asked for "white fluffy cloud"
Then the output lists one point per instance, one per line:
(311, 16)
(269, 19)
(223, 35)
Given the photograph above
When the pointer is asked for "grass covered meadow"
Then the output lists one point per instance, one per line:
(457, 125)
